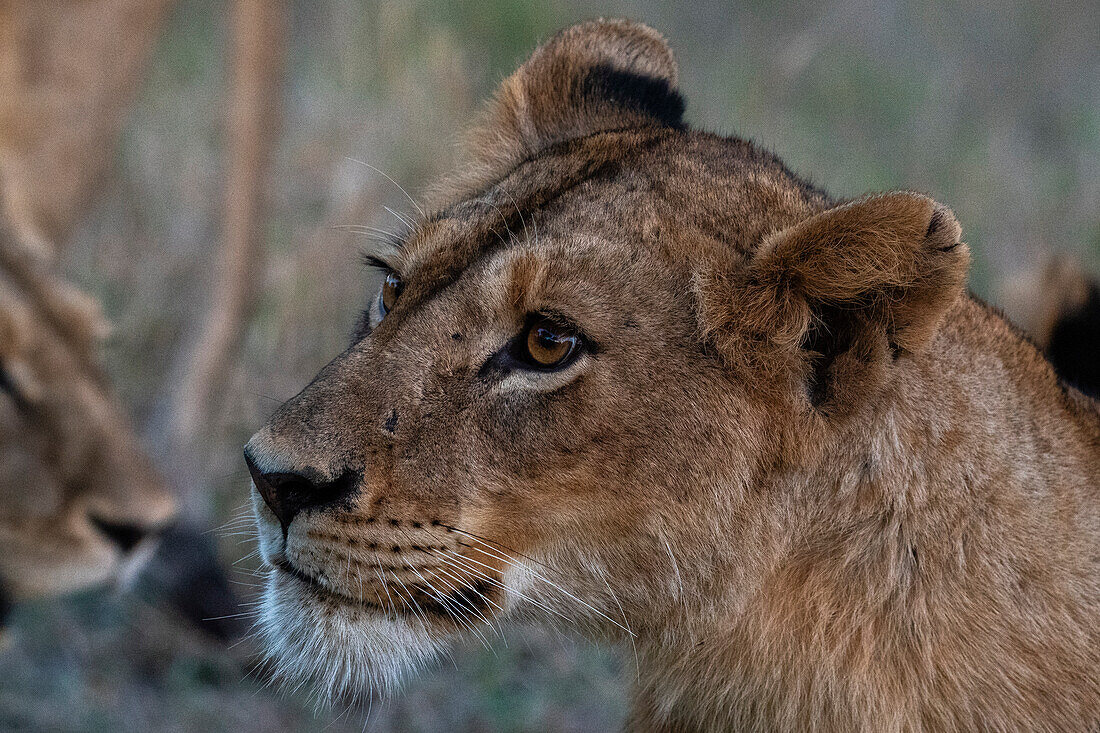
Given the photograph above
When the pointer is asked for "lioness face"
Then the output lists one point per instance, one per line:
(77, 497)
(585, 364)
(466, 454)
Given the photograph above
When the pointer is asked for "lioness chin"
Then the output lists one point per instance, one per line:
(642, 380)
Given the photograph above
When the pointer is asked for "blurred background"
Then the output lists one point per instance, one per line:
(217, 225)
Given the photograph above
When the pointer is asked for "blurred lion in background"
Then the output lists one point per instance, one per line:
(78, 499)
(1058, 304)
(645, 382)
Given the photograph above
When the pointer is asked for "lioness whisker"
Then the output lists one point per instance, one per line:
(457, 591)
(626, 622)
(385, 587)
(458, 579)
(242, 614)
(508, 589)
(395, 183)
(494, 543)
(443, 599)
(549, 582)
(366, 229)
(446, 606)
(458, 597)
(402, 218)
(519, 211)
(245, 558)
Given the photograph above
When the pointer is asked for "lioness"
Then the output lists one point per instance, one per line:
(77, 495)
(643, 381)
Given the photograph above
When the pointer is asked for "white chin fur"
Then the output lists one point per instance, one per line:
(344, 652)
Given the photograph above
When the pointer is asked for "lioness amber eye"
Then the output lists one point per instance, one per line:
(550, 344)
(391, 291)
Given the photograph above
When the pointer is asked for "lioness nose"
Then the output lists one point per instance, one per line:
(124, 534)
(288, 493)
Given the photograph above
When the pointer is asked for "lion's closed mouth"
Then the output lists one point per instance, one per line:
(409, 600)
(286, 567)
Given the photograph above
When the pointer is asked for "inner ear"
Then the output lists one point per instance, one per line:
(830, 302)
(826, 339)
(843, 351)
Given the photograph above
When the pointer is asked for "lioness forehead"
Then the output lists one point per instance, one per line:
(681, 195)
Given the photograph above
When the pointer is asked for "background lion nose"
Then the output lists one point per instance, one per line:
(287, 493)
(126, 535)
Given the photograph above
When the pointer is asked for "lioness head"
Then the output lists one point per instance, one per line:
(580, 375)
(77, 495)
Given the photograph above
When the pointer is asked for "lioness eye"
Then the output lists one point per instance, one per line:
(550, 344)
(391, 291)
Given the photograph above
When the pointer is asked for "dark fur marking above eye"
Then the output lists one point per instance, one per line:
(646, 94)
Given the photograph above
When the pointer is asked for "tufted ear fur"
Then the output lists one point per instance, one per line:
(595, 76)
(830, 301)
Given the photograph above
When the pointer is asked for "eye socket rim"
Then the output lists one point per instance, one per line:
(573, 335)
(392, 279)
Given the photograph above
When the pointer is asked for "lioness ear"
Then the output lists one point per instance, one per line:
(600, 75)
(844, 287)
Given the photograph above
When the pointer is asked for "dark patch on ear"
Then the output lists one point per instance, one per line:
(938, 218)
(646, 94)
(1073, 345)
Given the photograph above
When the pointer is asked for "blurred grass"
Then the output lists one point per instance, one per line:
(992, 109)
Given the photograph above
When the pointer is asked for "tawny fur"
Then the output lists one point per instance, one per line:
(812, 482)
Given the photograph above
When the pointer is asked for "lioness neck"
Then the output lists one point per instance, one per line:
(936, 570)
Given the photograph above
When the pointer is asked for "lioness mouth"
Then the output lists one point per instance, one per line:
(411, 599)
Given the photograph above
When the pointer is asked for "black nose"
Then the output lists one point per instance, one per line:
(287, 493)
(123, 534)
